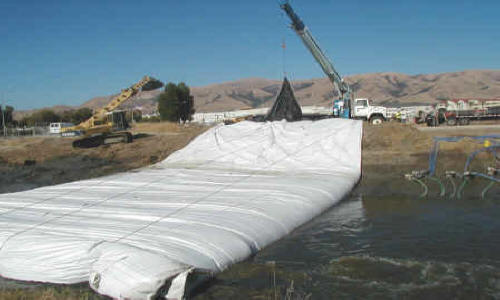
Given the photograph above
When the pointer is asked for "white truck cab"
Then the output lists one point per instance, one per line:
(364, 110)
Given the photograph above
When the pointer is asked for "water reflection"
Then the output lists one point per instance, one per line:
(379, 245)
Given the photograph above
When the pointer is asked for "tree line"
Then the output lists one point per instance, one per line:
(175, 104)
(75, 116)
(46, 116)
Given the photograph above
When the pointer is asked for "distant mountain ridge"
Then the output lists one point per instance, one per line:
(390, 89)
(393, 89)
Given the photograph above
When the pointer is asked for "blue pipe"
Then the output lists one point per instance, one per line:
(435, 147)
(473, 155)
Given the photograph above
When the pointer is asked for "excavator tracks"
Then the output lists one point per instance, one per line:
(96, 141)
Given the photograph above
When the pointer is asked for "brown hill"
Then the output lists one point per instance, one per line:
(390, 89)
(19, 114)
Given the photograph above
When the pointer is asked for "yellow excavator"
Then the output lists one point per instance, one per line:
(108, 125)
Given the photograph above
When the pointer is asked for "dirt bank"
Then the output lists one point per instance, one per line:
(30, 162)
(391, 150)
(393, 146)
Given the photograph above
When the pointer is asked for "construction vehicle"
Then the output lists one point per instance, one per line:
(364, 110)
(108, 125)
(462, 111)
(344, 107)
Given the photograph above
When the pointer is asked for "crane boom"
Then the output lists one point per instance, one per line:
(318, 54)
(125, 95)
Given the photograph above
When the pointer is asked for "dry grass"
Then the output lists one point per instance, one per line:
(161, 127)
(50, 293)
(169, 137)
(58, 162)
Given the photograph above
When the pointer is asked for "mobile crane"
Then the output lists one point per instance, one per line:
(108, 125)
(344, 106)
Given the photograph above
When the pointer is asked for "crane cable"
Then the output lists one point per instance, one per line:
(283, 40)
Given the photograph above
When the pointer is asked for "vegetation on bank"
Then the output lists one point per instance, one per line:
(6, 117)
(176, 104)
(46, 116)
(75, 116)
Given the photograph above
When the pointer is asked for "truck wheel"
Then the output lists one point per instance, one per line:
(452, 121)
(376, 120)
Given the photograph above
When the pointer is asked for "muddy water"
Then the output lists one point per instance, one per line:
(381, 242)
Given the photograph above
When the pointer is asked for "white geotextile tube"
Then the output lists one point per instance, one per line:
(225, 196)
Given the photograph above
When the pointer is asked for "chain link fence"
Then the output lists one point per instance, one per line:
(35, 130)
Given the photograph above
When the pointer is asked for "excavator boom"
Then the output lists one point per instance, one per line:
(99, 125)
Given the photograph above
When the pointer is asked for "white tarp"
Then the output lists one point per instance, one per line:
(228, 194)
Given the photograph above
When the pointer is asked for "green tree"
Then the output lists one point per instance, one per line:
(186, 102)
(175, 103)
(6, 116)
(80, 115)
(67, 116)
(42, 117)
(168, 103)
(76, 116)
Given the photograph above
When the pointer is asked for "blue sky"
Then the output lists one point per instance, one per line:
(66, 51)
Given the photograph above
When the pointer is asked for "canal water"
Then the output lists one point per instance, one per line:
(381, 242)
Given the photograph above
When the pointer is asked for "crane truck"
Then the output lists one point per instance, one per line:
(345, 106)
(108, 125)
